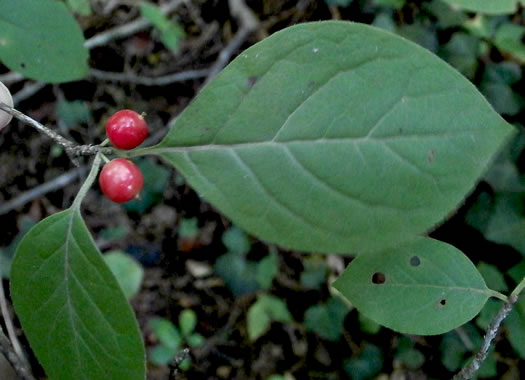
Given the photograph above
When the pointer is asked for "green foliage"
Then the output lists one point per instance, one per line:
(315, 272)
(156, 179)
(408, 355)
(507, 223)
(127, 270)
(238, 142)
(74, 112)
(82, 7)
(267, 269)
(6, 254)
(445, 288)
(366, 365)
(41, 40)
(172, 338)
(509, 39)
(263, 312)
(326, 320)
(487, 6)
(72, 308)
(170, 32)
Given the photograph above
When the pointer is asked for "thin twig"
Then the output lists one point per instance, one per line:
(248, 24)
(73, 149)
(11, 347)
(149, 81)
(36, 192)
(469, 371)
(128, 29)
(18, 365)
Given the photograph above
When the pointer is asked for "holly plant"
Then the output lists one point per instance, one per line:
(332, 137)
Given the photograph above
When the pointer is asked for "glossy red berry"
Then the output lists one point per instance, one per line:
(126, 129)
(121, 180)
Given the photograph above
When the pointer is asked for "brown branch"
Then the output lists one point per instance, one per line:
(469, 371)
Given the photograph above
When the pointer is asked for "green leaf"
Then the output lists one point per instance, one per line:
(238, 273)
(74, 112)
(195, 340)
(155, 181)
(261, 314)
(236, 241)
(127, 270)
(366, 365)
(423, 287)
(166, 332)
(327, 320)
(493, 277)
(486, 6)
(82, 7)
(514, 324)
(7, 254)
(162, 355)
(267, 269)
(315, 272)
(170, 32)
(462, 53)
(42, 40)
(509, 39)
(335, 137)
(507, 224)
(70, 305)
(187, 321)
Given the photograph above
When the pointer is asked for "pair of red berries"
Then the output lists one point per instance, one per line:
(120, 179)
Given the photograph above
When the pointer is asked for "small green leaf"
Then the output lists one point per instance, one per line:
(42, 40)
(189, 228)
(486, 6)
(166, 332)
(309, 138)
(127, 270)
(261, 314)
(236, 241)
(315, 272)
(493, 277)
(162, 355)
(195, 340)
(366, 365)
(367, 325)
(327, 320)
(82, 7)
(70, 305)
(424, 287)
(509, 39)
(238, 273)
(267, 269)
(507, 224)
(155, 181)
(170, 32)
(74, 112)
(187, 321)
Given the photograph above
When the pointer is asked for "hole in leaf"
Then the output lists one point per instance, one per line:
(378, 278)
(251, 81)
(443, 302)
(415, 261)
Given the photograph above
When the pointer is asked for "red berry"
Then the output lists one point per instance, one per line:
(120, 180)
(126, 129)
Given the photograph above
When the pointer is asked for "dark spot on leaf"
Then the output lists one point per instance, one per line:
(312, 84)
(251, 81)
(443, 302)
(415, 261)
(400, 131)
(378, 278)
(431, 156)
(23, 65)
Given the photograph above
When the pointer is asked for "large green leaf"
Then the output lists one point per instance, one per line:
(423, 287)
(42, 40)
(335, 137)
(71, 307)
(487, 6)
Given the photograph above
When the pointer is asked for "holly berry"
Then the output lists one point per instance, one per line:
(5, 97)
(126, 129)
(120, 180)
